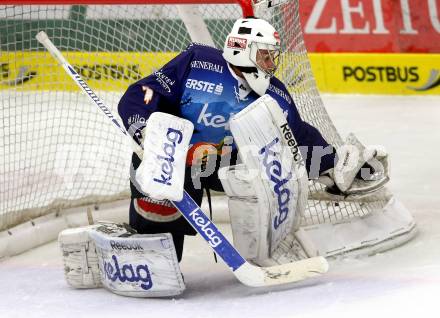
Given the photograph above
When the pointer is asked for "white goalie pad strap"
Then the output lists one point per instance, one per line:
(276, 173)
(140, 265)
(79, 255)
(161, 173)
(236, 182)
(249, 218)
(245, 219)
(376, 232)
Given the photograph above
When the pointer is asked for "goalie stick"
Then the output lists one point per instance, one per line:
(248, 274)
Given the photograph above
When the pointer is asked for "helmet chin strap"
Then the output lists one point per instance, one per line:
(258, 81)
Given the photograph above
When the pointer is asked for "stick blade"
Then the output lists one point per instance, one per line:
(255, 276)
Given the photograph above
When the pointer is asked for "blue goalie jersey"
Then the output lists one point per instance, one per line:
(199, 85)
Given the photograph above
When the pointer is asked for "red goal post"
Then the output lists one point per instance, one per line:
(246, 5)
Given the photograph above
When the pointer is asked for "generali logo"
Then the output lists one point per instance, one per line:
(237, 43)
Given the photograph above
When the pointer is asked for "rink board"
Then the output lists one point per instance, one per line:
(344, 73)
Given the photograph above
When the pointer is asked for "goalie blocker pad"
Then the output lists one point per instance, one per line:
(161, 174)
(268, 194)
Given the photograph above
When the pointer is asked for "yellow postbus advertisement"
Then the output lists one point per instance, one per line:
(344, 73)
(371, 73)
(113, 71)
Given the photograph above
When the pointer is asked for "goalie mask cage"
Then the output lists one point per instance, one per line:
(58, 151)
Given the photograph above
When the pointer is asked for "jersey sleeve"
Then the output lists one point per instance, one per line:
(318, 155)
(160, 91)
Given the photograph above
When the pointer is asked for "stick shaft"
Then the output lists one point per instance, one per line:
(53, 50)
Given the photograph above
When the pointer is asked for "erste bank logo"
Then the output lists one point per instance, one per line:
(204, 86)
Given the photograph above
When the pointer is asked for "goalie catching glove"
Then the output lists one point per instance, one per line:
(358, 171)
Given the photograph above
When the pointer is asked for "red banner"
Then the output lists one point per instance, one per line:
(371, 25)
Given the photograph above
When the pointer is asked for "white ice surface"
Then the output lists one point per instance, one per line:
(404, 282)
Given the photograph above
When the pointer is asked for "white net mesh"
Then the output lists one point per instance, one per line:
(57, 151)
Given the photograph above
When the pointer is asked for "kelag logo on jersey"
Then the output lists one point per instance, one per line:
(208, 119)
(204, 86)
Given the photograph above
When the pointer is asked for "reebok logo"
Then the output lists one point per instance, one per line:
(125, 246)
(291, 142)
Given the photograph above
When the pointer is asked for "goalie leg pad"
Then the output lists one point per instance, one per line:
(250, 219)
(79, 255)
(139, 266)
(275, 195)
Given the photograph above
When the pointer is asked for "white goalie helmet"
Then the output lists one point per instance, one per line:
(254, 46)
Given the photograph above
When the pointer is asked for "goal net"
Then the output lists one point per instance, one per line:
(57, 151)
